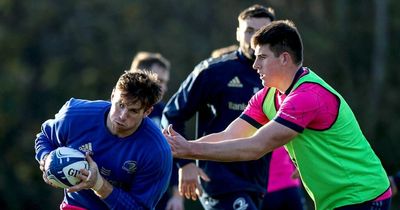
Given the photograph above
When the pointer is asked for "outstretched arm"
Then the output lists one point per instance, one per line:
(266, 139)
(238, 128)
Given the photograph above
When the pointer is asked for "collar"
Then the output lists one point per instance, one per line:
(297, 76)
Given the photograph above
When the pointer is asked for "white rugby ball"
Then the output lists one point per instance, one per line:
(62, 166)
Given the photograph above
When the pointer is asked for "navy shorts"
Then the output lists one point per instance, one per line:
(232, 201)
(370, 205)
(290, 198)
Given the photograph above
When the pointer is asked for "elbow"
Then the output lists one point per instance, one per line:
(255, 154)
(258, 151)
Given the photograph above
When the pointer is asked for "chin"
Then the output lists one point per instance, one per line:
(264, 83)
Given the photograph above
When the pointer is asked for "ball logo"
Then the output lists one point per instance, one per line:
(73, 172)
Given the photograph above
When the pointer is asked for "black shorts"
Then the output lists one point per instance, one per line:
(375, 205)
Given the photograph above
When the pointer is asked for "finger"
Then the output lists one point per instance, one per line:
(164, 132)
(89, 158)
(171, 130)
(193, 193)
(199, 191)
(180, 187)
(187, 191)
(89, 176)
(204, 176)
(184, 191)
(77, 187)
(84, 176)
(41, 165)
(47, 180)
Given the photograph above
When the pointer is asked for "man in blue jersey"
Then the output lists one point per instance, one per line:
(218, 90)
(129, 162)
(155, 62)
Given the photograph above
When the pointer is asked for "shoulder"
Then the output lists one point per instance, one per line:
(314, 92)
(217, 64)
(83, 107)
(153, 135)
(259, 96)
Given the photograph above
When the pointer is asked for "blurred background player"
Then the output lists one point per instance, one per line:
(130, 162)
(158, 64)
(217, 91)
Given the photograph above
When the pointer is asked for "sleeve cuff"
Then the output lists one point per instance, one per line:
(250, 120)
(289, 124)
(111, 199)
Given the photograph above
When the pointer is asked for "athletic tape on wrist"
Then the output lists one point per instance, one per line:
(99, 183)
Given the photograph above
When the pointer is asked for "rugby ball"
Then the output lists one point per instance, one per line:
(62, 166)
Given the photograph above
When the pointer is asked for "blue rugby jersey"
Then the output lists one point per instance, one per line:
(138, 166)
(219, 90)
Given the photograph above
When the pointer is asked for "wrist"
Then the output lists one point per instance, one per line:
(99, 183)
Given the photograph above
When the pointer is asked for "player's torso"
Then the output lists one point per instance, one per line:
(233, 84)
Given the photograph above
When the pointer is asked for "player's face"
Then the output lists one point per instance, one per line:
(163, 76)
(267, 65)
(246, 30)
(125, 116)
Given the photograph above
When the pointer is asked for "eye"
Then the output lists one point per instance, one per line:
(249, 31)
(134, 111)
(120, 104)
(260, 57)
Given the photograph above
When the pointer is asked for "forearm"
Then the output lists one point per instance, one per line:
(266, 139)
(242, 149)
(214, 137)
(237, 129)
(42, 147)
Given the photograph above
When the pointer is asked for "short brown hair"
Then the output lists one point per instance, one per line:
(257, 11)
(144, 61)
(141, 86)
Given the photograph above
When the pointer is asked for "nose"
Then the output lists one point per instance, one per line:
(255, 65)
(123, 114)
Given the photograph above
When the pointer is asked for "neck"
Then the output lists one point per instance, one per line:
(120, 134)
(287, 78)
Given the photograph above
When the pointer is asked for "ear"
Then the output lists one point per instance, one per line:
(285, 58)
(148, 111)
(112, 94)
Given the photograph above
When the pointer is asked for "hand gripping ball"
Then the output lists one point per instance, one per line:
(63, 165)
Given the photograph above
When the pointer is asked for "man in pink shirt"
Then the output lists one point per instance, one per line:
(298, 109)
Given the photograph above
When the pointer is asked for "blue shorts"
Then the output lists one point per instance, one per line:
(232, 201)
(290, 198)
(369, 205)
